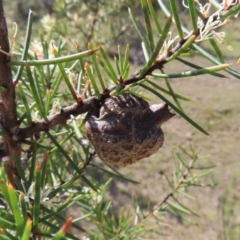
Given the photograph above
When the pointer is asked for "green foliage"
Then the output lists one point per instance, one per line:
(42, 201)
(59, 175)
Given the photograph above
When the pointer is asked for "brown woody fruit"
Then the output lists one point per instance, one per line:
(127, 129)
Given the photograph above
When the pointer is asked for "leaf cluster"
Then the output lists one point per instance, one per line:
(56, 168)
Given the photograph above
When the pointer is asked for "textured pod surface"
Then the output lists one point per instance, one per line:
(127, 129)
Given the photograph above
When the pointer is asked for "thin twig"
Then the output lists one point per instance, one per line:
(179, 185)
(89, 159)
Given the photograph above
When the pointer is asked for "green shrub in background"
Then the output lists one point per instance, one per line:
(46, 92)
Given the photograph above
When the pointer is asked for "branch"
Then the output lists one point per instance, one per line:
(8, 110)
(87, 105)
(8, 104)
(92, 103)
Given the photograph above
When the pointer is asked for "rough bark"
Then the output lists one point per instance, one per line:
(8, 105)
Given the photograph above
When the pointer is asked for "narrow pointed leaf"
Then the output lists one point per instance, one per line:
(27, 230)
(37, 196)
(172, 93)
(99, 75)
(59, 147)
(25, 102)
(117, 175)
(76, 127)
(207, 70)
(120, 60)
(44, 169)
(154, 16)
(23, 206)
(108, 64)
(67, 81)
(148, 24)
(56, 60)
(193, 14)
(27, 43)
(214, 60)
(217, 50)
(204, 174)
(167, 92)
(176, 109)
(15, 209)
(178, 208)
(56, 228)
(176, 15)
(5, 224)
(32, 166)
(4, 237)
(126, 62)
(36, 92)
(159, 45)
(106, 69)
(92, 79)
(198, 67)
(64, 229)
(185, 207)
(232, 11)
(117, 65)
(88, 183)
(145, 52)
(17, 161)
(137, 27)
(186, 195)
